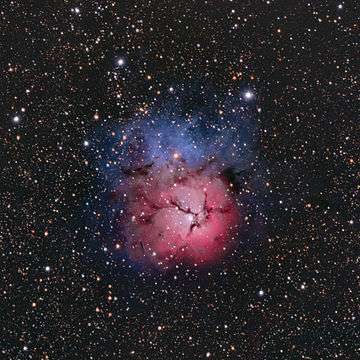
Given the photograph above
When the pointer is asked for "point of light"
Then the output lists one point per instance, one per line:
(248, 95)
(86, 143)
(47, 268)
(121, 62)
(16, 119)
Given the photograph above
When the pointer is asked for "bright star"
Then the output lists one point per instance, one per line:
(121, 62)
(248, 95)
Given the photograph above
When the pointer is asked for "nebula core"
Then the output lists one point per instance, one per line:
(179, 214)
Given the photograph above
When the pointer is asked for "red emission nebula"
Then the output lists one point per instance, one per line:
(177, 215)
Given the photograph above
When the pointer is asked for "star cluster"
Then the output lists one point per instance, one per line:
(265, 93)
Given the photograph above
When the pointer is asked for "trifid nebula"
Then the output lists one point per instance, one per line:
(179, 180)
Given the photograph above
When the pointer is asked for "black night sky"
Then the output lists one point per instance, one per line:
(102, 102)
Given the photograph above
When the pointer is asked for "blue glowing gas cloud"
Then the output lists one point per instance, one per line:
(223, 135)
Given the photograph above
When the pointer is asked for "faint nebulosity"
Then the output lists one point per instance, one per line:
(179, 180)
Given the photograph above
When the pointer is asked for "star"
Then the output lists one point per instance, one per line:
(248, 95)
(121, 62)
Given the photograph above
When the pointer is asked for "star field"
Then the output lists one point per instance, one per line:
(265, 93)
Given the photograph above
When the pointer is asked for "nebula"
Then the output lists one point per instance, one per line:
(175, 182)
